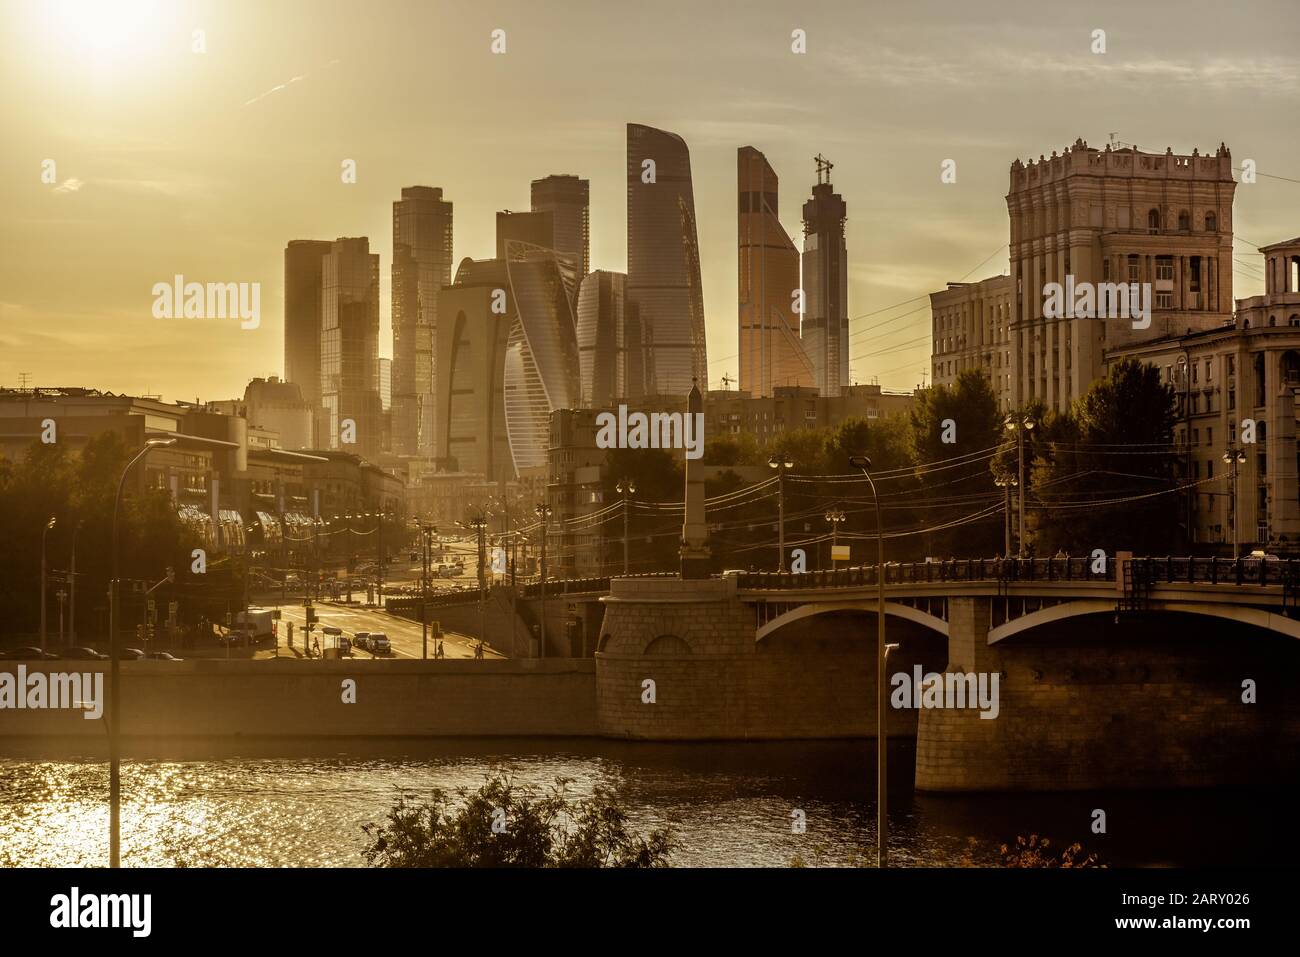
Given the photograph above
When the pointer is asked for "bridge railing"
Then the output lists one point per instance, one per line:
(1142, 571)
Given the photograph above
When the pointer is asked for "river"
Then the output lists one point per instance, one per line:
(301, 803)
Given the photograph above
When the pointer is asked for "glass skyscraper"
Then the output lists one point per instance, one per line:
(826, 284)
(771, 353)
(422, 236)
(567, 199)
(609, 348)
(349, 346)
(664, 295)
(541, 361)
(302, 315)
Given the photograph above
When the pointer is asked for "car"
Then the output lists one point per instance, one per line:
(129, 654)
(28, 653)
(361, 640)
(379, 644)
(163, 656)
(79, 653)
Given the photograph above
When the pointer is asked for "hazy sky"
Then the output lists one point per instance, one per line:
(204, 164)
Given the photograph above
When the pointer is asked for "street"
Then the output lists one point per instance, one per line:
(403, 633)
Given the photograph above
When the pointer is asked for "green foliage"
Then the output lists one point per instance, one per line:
(534, 830)
(1100, 467)
(1035, 851)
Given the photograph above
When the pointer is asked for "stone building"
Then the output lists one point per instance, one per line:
(972, 330)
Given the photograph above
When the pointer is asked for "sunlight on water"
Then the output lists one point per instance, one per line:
(727, 805)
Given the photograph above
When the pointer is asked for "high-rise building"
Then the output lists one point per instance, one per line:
(1095, 217)
(471, 371)
(349, 348)
(535, 229)
(422, 237)
(826, 284)
(302, 315)
(568, 199)
(609, 345)
(771, 353)
(971, 329)
(541, 361)
(664, 295)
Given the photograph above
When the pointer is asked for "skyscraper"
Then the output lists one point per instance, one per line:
(664, 294)
(422, 237)
(826, 284)
(567, 198)
(771, 353)
(349, 348)
(609, 347)
(541, 361)
(302, 315)
(536, 229)
(471, 370)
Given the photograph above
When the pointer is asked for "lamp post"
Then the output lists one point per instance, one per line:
(882, 652)
(1007, 484)
(544, 514)
(114, 678)
(626, 488)
(1020, 424)
(782, 464)
(44, 532)
(1233, 458)
(72, 585)
(835, 516)
(479, 525)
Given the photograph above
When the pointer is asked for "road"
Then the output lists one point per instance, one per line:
(403, 633)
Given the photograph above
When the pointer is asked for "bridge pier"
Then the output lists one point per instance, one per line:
(1091, 703)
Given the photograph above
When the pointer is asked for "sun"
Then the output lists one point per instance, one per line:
(103, 26)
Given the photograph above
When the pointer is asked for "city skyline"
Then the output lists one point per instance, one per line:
(218, 210)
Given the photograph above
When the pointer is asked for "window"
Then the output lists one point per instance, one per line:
(1134, 268)
(1209, 436)
(1196, 436)
(1184, 220)
(1164, 300)
(1232, 365)
(1165, 268)
(1105, 270)
(1232, 398)
(1193, 373)
(1209, 373)
(1153, 221)
(1211, 223)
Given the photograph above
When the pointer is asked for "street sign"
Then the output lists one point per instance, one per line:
(839, 553)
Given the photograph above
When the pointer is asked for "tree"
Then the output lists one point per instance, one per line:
(505, 825)
(1106, 474)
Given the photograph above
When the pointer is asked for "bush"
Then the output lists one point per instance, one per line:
(550, 830)
(1036, 851)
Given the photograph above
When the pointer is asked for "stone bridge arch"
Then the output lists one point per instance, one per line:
(1244, 614)
(896, 609)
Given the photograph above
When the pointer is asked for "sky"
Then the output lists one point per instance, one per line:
(168, 160)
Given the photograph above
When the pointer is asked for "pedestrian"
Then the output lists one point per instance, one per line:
(478, 649)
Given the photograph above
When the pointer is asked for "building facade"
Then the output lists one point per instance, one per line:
(971, 329)
(664, 293)
(303, 260)
(771, 352)
(797, 407)
(351, 409)
(826, 284)
(1090, 216)
(568, 199)
(422, 251)
(610, 351)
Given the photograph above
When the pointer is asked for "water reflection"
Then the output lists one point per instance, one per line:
(302, 803)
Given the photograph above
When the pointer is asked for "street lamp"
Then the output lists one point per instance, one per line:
(479, 525)
(626, 487)
(1020, 424)
(1007, 484)
(544, 514)
(835, 516)
(782, 464)
(45, 531)
(114, 682)
(882, 652)
(1233, 458)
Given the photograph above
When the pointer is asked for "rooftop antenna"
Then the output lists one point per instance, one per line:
(24, 380)
(824, 167)
(924, 373)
